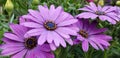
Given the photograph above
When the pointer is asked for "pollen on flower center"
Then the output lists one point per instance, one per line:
(30, 43)
(49, 25)
(100, 12)
(83, 33)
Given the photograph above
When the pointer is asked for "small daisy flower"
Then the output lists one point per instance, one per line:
(103, 13)
(51, 25)
(90, 34)
(17, 46)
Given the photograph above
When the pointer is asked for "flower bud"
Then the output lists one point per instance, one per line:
(9, 6)
(118, 3)
(35, 2)
(101, 2)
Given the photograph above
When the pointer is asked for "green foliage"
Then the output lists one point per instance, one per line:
(21, 8)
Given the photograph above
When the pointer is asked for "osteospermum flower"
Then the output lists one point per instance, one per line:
(51, 25)
(90, 34)
(17, 46)
(103, 13)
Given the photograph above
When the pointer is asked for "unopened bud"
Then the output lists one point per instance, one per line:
(9, 6)
(118, 3)
(101, 2)
(35, 2)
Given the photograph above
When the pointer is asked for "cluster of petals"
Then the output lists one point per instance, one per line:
(18, 46)
(50, 25)
(90, 34)
(44, 30)
(105, 13)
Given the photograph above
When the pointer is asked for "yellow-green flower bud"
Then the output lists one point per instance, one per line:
(35, 2)
(9, 6)
(101, 2)
(118, 3)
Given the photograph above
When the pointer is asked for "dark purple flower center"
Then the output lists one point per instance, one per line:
(100, 12)
(49, 25)
(30, 43)
(83, 33)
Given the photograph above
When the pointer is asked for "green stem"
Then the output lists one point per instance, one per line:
(86, 55)
(105, 54)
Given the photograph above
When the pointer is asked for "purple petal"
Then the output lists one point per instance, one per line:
(34, 32)
(36, 14)
(63, 16)
(113, 15)
(69, 41)
(67, 30)
(52, 10)
(98, 31)
(49, 37)
(56, 14)
(87, 15)
(112, 21)
(85, 45)
(32, 18)
(93, 6)
(44, 12)
(56, 39)
(105, 8)
(32, 25)
(42, 38)
(18, 30)
(52, 46)
(63, 34)
(67, 22)
(97, 42)
(6, 46)
(12, 50)
(110, 9)
(20, 54)
(49, 55)
(29, 54)
(99, 8)
(93, 45)
(86, 9)
(103, 42)
(76, 41)
(44, 47)
(13, 37)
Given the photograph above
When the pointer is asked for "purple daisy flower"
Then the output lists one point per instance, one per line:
(51, 25)
(103, 13)
(17, 46)
(90, 34)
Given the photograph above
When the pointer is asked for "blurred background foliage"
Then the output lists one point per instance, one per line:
(21, 8)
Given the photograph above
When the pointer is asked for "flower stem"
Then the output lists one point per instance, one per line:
(105, 54)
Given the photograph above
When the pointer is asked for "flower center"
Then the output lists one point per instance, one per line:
(30, 43)
(100, 12)
(50, 25)
(83, 33)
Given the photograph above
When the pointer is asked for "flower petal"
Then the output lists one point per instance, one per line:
(93, 44)
(44, 12)
(85, 45)
(20, 54)
(42, 38)
(32, 25)
(67, 22)
(13, 37)
(52, 46)
(87, 15)
(34, 32)
(32, 18)
(18, 30)
(56, 14)
(67, 30)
